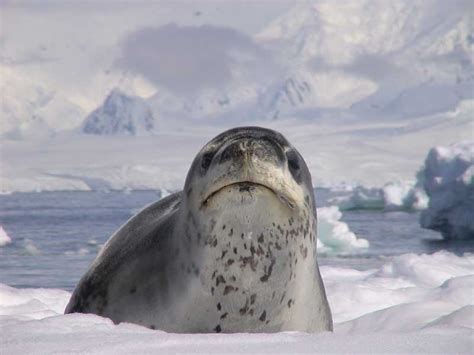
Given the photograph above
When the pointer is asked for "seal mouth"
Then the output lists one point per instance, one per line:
(247, 186)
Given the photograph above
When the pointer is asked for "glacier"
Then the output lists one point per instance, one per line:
(448, 178)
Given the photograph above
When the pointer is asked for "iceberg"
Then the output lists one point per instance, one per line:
(448, 178)
(334, 236)
(4, 237)
(393, 196)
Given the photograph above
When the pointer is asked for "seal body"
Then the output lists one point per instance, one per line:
(235, 251)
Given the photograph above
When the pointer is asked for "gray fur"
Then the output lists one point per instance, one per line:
(235, 251)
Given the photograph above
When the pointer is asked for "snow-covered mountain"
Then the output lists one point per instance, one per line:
(32, 109)
(361, 59)
(120, 114)
(370, 59)
(396, 59)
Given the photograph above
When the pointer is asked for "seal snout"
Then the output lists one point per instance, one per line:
(246, 149)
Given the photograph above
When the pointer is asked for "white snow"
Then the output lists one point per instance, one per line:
(334, 236)
(448, 178)
(393, 196)
(412, 304)
(4, 237)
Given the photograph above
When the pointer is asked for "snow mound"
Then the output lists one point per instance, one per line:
(393, 196)
(448, 178)
(120, 115)
(334, 236)
(414, 303)
(409, 292)
(4, 237)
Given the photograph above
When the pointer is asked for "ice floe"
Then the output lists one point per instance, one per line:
(448, 178)
(334, 235)
(393, 196)
(4, 237)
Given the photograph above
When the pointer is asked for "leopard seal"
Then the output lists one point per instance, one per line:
(235, 251)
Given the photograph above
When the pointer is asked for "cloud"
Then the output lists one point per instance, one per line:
(186, 59)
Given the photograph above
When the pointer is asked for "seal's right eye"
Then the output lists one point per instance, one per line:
(206, 160)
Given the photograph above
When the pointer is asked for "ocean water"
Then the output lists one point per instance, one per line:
(56, 235)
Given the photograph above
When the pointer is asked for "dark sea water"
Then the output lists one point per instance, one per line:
(56, 235)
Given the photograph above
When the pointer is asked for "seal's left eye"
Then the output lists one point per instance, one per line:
(293, 164)
(206, 160)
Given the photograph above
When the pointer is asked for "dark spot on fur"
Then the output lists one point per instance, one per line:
(242, 236)
(229, 288)
(224, 315)
(223, 227)
(263, 316)
(268, 272)
(219, 306)
(290, 302)
(230, 262)
(252, 298)
(212, 291)
(231, 232)
(152, 327)
(252, 249)
(260, 238)
(248, 260)
(304, 251)
(220, 279)
(218, 328)
(245, 308)
(235, 250)
(224, 252)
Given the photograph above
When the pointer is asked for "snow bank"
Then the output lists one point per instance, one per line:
(414, 303)
(334, 236)
(393, 196)
(448, 178)
(4, 237)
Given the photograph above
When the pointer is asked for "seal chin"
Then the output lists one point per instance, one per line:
(248, 187)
